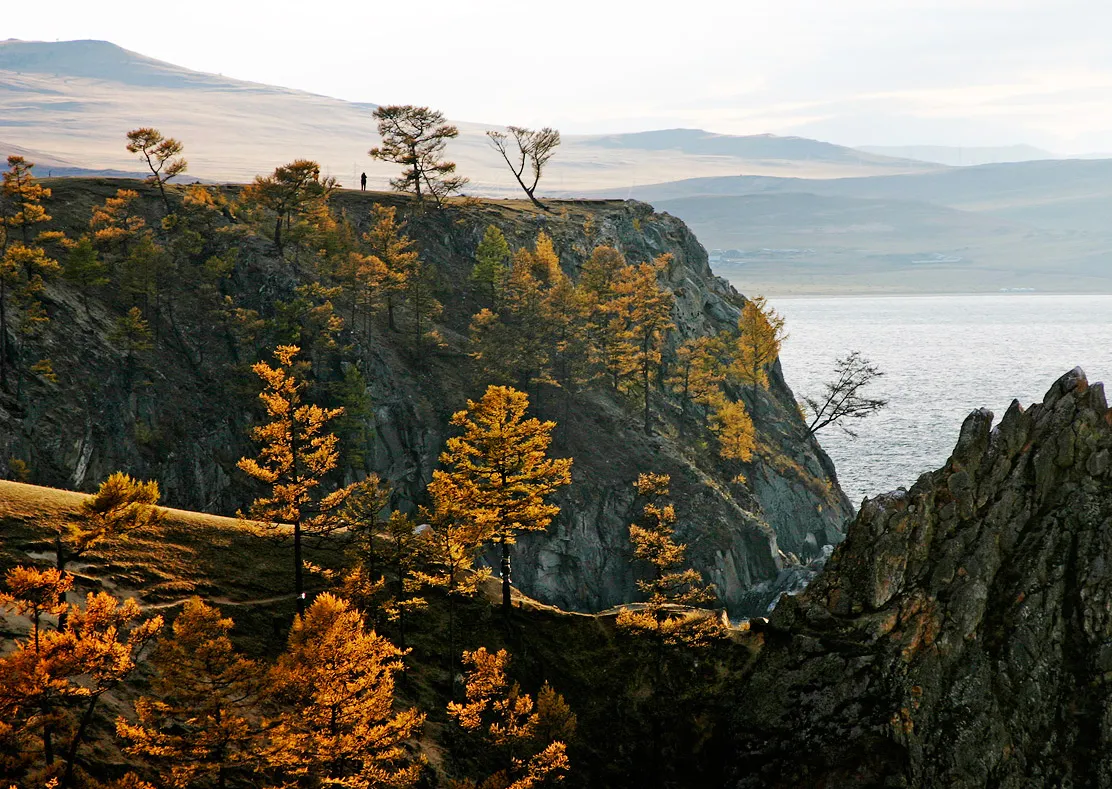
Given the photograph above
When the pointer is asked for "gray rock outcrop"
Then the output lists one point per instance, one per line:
(961, 636)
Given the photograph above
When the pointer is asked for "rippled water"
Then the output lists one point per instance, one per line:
(943, 357)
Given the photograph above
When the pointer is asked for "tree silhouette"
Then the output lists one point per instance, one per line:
(415, 137)
(534, 149)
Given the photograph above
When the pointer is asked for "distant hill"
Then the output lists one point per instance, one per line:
(962, 157)
(800, 243)
(74, 100)
(1055, 194)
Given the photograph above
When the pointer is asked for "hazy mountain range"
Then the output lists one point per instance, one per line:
(799, 215)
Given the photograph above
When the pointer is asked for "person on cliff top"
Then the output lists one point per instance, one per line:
(363, 182)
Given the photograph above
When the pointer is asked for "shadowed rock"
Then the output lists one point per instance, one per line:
(961, 636)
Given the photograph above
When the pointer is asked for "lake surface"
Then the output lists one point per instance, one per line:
(943, 356)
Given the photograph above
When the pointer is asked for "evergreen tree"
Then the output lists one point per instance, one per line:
(84, 269)
(295, 199)
(335, 686)
(491, 257)
(498, 471)
(414, 137)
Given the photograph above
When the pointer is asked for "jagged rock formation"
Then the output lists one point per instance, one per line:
(961, 636)
(187, 423)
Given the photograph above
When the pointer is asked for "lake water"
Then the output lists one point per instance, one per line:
(943, 356)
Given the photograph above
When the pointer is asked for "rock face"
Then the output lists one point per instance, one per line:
(961, 636)
(185, 419)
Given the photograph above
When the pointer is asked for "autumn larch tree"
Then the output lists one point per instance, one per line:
(162, 156)
(387, 243)
(200, 725)
(28, 699)
(120, 506)
(415, 137)
(697, 374)
(297, 451)
(534, 149)
(491, 257)
(334, 685)
(842, 398)
(761, 330)
(62, 682)
(646, 309)
(499, 472)
(25, 266)
(524, 742)
(295, 197)
(732, 425)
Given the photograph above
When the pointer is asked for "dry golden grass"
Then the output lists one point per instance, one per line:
(223, 560)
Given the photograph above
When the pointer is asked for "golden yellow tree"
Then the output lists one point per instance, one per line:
(201, 724)
(733, 427)
(528, 740)
(758, 344)
(697, 374)
(29, 695)
(670, 584)
(386, 242)
(499, 472)
(335, 686)
(297, 452)
(646, 309)
(295, 199)
(162, 155)
(120, 506)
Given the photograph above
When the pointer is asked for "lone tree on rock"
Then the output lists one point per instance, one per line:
(498, 472)
(415, 138)
(161, 155)
(534, 149)
(841, 398)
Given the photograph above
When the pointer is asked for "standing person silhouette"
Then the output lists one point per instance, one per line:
(363, 182)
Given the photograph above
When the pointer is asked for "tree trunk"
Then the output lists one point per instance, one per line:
(79, 735)
(506, 603)
(298, 581)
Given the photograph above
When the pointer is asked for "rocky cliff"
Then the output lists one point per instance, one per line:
(183, 417)
(961, 636)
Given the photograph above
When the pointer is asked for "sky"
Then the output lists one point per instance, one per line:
(854, 72)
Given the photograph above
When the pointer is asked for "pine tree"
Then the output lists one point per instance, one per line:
(414, 137)
(297, 452)
(335, 686)
(524, 742)
(758, 344)
(491, 257)
(201, 726)
(115, 225)
(498, 472)
(84, 269)
(132, 333)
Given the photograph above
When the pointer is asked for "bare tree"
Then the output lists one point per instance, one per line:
(534, 148)
(842, 398)
(415, 137)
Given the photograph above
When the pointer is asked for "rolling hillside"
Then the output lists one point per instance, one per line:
(74, 101)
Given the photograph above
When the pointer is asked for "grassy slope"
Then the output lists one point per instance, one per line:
(246, 575)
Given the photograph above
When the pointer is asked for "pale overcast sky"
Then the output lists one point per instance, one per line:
(858, 72)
